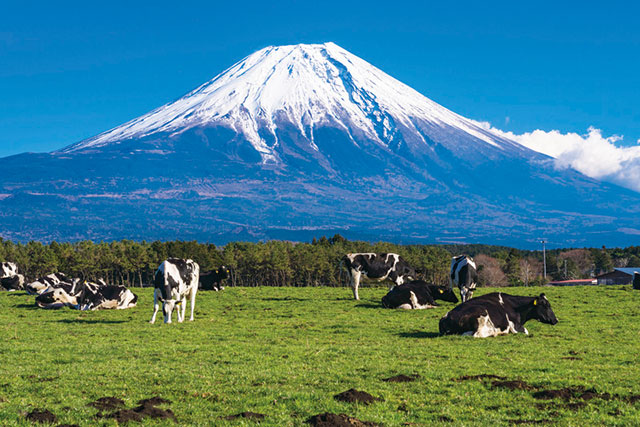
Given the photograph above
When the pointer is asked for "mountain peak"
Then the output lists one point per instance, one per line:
(305, 86)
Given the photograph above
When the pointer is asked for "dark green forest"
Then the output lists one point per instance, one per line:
(283, 263)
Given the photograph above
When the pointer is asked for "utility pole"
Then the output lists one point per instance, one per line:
(544, 257)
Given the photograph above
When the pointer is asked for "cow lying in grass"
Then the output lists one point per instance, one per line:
(496, 314)
(417, 295)
(10, 280)
(49, 281)
(86, 296)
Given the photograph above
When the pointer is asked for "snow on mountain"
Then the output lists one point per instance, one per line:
(307, 86)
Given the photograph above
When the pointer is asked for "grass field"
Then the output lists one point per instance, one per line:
(285, 352)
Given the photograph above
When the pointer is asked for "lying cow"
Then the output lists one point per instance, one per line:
(49, 281)
(174, 281)
(464, 275)
(212, 280)
(10, 280)
(12, 283)
(87, 296)
(496, 314)
(417, 295)
(8, 269)
(376, 267)
(101, 296)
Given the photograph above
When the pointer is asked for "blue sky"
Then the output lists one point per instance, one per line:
(70, 70)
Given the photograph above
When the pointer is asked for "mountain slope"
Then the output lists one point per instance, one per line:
(299, 140)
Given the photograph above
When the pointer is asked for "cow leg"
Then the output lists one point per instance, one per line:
(156, 306)
(463, 294)
(193, 302)
(472, 288)
(183, 309)
(355, 282)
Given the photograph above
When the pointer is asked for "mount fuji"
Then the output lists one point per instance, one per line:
(299, 141)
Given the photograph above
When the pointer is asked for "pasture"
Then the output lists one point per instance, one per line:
(285, 352)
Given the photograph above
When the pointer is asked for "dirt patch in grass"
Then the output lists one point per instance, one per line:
(247, 414)
(107, 403)
(633, 398)
(571, 393)
(518, 422)
(480, 377)
(146, 409)
(445, 419)
(328, 419)
(41, 416)
(67, 425)
(571, 358)
(513, 385)
(356, 396)
(402, 378)
(122, 416)
(154, 401)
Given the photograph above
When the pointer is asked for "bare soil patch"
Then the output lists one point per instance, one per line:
(571, 393)
(328, 419)
(107, 403)
(41, 416)
(247, 414)
(513, 385)
(146, 409)
(402, 378)
(154, 401)
(355, 396)
(480, 377)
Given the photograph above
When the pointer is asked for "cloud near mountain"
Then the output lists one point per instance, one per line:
(592, 153)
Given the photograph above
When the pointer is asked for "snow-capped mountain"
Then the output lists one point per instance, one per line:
(306, 86)
(302, 140)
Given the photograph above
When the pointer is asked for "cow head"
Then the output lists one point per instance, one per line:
(542, 310)
(445, 294)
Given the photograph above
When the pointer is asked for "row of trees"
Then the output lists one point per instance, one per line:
(281, 263)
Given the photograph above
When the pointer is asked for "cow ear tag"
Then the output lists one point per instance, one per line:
(441, 291)
(535, 302)
(216, 271)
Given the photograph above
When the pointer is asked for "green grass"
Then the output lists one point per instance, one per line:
(285, 352)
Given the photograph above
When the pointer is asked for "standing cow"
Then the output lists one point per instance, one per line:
(174, 281)
(464, 275)
(212, 280)
(377, 267)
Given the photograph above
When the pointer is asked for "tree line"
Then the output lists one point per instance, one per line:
(283, 263)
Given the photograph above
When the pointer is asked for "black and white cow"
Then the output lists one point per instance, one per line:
(174, 281)
(82, 295)
(8, 269)
(464, 275)
(376, 267)
(496, 314)
(417, 294)
(49, 281)
(10, 280)
(96, 296)
(212, 280)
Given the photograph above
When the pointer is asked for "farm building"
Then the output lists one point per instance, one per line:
(575, 282)
(619, 276)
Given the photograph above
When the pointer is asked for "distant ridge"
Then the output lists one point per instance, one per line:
(302, 140)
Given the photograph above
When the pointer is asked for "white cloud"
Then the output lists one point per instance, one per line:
(592, 154)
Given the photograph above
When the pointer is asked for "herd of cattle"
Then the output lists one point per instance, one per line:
(177, 280)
